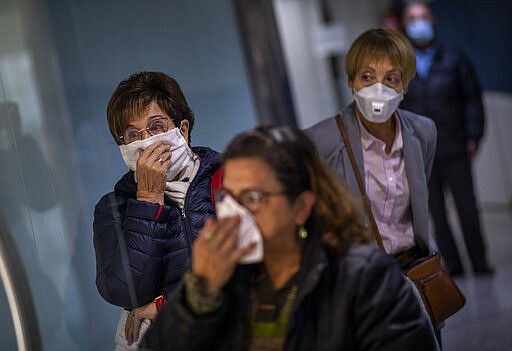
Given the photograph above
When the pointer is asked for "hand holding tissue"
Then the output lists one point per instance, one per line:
(249, 231)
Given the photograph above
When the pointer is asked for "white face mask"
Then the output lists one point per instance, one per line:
(181, 153)
(377, 102)
(249, 231)
(420, 31)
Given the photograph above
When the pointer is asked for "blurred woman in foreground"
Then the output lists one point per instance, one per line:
(319, 286)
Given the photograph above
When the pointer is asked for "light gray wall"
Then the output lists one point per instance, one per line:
(493, 163)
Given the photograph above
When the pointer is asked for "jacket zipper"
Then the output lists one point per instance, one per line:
(186, 227)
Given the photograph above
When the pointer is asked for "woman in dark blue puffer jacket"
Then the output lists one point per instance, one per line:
(144, 229)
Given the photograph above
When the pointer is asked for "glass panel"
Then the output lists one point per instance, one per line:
(19, 324)
(57, 155)
(25, 190)
(19, 329)
(7, 333)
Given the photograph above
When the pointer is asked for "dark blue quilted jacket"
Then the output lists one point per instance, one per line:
(142, 249)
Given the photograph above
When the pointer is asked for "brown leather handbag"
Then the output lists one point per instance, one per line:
(441, 296)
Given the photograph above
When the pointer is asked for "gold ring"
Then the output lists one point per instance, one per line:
(209, 235)
(161, 161)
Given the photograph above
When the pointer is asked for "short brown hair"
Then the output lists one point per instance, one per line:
(376, 44)
(134, 94)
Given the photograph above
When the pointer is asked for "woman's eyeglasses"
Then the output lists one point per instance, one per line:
(251, 199)
(156, 126)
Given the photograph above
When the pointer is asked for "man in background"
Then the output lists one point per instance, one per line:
(447, 90)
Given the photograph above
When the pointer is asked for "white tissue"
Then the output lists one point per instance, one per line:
(249, 231)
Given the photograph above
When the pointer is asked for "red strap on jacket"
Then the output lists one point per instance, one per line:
(160, 300)
(216, 182)
(159, 212)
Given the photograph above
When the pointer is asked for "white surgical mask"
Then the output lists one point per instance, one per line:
(181, 154)
(249, 231)
(377, 102)
(420, 31)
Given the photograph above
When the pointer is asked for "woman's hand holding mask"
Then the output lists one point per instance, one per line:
(215, 253)
(152, 166)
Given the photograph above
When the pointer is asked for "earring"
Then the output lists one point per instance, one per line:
(303, 233)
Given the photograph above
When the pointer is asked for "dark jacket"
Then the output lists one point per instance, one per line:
(359, 302)
(143, 249)
(451, 96)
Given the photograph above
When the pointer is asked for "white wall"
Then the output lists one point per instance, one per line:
(308, 73)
